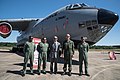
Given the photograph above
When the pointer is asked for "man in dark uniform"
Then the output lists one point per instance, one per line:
(68, 50)
(42, 48)
(83, 48)
(54, 55)
(28, 50)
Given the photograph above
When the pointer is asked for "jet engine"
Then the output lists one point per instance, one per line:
(5, 29)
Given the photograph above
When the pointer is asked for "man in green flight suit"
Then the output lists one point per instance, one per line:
(28, 50)
(83, 48)
(42, 48)
(68, 51)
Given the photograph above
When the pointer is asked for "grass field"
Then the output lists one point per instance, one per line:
(101, 50)
(6, 48)
(105, 50)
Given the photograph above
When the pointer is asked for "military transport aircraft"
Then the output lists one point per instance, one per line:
(76, 19)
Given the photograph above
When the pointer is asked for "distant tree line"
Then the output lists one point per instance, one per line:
(7, 44)
(103, 47)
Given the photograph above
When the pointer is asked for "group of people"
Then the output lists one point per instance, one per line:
(67, 52)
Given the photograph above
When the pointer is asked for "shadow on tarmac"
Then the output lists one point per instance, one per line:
(20, 54)
(20, 72)
(106, 59)
(36, 72)
(117, 53)
(5, 52)
(14, 72)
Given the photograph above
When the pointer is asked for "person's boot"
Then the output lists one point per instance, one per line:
(23, 73)
(39, 72)
(69, 74)
(51, 72)
(87, 74)
(31, 72)
(55, 72)
(64, 73)
(80, 73)
(44, 72)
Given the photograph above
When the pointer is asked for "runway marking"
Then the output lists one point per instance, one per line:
(103, 70)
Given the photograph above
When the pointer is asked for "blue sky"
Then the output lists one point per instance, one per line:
(13, 9)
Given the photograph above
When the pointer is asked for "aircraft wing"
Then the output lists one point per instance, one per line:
(19, 24)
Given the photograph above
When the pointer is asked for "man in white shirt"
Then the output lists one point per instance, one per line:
(54, 55)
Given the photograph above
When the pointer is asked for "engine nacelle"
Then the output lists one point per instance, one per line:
(5, 29)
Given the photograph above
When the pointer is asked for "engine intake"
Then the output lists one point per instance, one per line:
(5, 29)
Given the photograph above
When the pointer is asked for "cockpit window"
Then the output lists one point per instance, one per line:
(83, 4)
(68, 7)
(76, 6)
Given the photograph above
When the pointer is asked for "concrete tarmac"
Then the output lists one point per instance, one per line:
(100, 68)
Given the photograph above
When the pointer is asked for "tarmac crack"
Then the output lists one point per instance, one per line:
(110, 66)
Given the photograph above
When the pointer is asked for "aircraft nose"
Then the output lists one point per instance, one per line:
(107, 17)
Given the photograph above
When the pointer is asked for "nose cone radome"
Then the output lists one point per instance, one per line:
(107, 17)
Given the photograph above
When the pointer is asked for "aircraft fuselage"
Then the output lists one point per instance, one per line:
(78, 21)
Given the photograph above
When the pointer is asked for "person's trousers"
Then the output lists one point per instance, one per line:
(42, 57)
(67, 60)
(53, 65)
(25, 63)
(81, 59)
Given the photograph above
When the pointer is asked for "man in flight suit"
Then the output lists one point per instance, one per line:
(42, 48)
(54, 55)
(83, 48)
(68, 50)
(28, 50)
